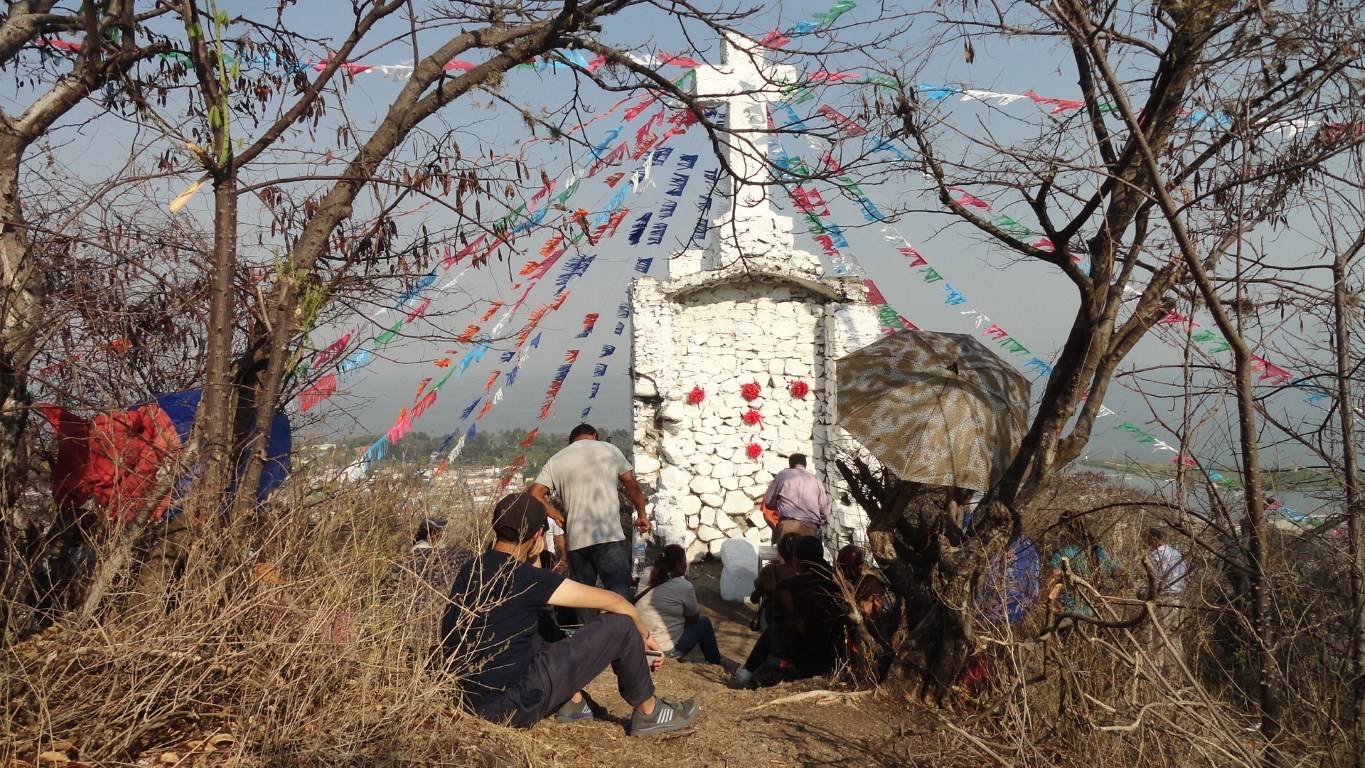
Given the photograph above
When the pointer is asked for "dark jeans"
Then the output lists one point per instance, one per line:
(610, 562)
(699, 631)
(562, 669)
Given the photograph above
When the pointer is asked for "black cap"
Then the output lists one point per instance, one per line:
(430, 526)
(517, 517)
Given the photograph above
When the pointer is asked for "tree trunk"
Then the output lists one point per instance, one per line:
(1342, 302)
(23, 287)
(214, 420)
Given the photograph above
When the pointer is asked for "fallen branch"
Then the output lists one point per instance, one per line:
(820, 697)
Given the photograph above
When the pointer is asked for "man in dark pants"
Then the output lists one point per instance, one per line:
(489, 636)
(586, 475)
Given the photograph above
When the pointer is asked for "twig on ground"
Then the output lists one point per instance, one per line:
(820, 697)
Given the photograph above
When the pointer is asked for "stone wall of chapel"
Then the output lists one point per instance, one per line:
(692, 459)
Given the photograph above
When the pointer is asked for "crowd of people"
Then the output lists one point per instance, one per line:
(526, 631)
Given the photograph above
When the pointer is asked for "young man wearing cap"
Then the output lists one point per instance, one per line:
(799, 499)
(508, 676)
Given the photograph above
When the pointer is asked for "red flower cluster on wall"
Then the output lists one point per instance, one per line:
(753, 451)
(696, 396)
(799, 389)
(749, 392)
(751, 417)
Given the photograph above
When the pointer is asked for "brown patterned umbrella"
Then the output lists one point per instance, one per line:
(935, 408)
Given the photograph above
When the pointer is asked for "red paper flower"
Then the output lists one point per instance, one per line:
(754, 450)
(749, 391)
(696, 396)
(799, 389)
(751, 417)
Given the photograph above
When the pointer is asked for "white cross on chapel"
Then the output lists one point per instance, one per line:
(744, 82)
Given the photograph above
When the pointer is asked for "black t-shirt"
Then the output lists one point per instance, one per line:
(813, 619)
(490, 631)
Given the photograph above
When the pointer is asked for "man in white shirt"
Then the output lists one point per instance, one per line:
(586, 476)
(1170, 573)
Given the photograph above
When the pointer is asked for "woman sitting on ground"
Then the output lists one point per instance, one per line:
(670, 611)
(809, 638)
(772, 574)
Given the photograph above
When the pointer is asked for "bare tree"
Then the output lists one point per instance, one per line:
(1194, 124)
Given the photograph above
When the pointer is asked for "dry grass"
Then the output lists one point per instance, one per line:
(291, 642)
(295, 641)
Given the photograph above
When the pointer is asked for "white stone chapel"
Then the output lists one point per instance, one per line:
(732, 354)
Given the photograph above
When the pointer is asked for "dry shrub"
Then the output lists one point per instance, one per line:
(1102, 695)
(293, 633)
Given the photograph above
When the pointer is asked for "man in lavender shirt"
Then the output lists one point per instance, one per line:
(799, 499)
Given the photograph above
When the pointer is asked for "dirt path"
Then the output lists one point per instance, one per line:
(736, 728)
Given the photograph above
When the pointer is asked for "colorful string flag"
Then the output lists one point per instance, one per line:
(599, 370)
(1058, 105)
(318, 391)
(1269, 370)
(592, 393)
(666, 208)
(589, 322)
(1039, 365)
(422, 385)
(607, 351)
(703, 223)
(793, 123)
(465, 413)
(880, 144)
(968, 200)
(1220, 343)
(637, 230)
(512, 375)
(331, 352)
(620, 327)
(656, 233)
(357, 360)
(1011, 226)
(841, 120)
(913, 259)
(493, 308)
(676, 184)
(642, 265)
(472, 356)
(623, 310)
(576, 267)
(492, 379)
(512, 470)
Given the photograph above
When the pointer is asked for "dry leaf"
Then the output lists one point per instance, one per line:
(54, 757)
(170, 758)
